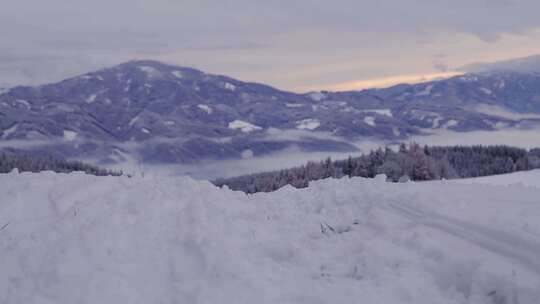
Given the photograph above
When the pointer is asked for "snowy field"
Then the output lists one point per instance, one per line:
(531, 179)
(83, 239)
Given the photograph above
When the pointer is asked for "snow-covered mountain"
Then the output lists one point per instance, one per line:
(163, 113)
(76, 238)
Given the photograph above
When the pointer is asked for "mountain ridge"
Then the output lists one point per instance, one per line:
(180, 114)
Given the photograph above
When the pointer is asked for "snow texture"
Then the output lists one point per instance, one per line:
(486, 91)
(70, 135)
(229, 86)
(243, 126)
(24, 103)
(150, 71)
(308, 124)
(384, 112)
(9, 131)
(498, 111)
(91, 98)
(178, 74)
(294, 105)
(426, 91)
(133, 120)
(370, 120)
(317, 96)
(83, 239)
(205, 108)
(248, 153)
(451, 123)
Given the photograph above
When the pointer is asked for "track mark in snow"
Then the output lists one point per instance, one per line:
(499, 242)
(5, 226)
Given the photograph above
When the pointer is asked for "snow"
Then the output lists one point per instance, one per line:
(62, 107)
(169, 123)
(403, 96)
(150, 71)
(133, 120)
(517, 179)
(23, 102)
(436, 121)
(243, 126)
(145, 130)
(317, 96)
(384, 112)
(308, 124)
(502, 112)
(246, 154)
(451, 123)
(128, 85)
(205, 108)
(486, 91)
(395, 131)
(426, 91)
(468, 78)
(294, 105)
(229, 86)
(82, 239)
(349, 110)
(9, 131)
(91, 98)
(370, 120)
(527, 138)
(178, 74)
(70, 135)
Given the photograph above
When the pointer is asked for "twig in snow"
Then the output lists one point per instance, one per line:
(330, 227)
(325, 227)
(5, 226)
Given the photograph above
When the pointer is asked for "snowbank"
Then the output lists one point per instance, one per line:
(83, 239)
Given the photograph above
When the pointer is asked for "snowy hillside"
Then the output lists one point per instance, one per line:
(83, 239)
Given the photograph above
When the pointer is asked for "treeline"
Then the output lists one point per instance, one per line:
(30, 163)
(410, 162)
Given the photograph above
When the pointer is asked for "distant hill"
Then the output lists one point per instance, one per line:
(161, 113)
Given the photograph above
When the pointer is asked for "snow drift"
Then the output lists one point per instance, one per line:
(83, 239)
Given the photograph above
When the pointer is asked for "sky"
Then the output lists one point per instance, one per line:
(293, 45)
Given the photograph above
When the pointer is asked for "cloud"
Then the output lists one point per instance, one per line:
(274, 134)
(389, 81)
(279, 42)
(440, 66)
(524, 64)
(225, 47)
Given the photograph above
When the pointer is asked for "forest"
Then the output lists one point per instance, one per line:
(32, 163)
(409, 162)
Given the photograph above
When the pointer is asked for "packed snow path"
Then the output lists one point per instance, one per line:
(83, 239)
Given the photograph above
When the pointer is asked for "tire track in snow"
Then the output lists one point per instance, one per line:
(525, 252)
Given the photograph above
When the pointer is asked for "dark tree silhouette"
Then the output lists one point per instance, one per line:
(29, 163)
(411, 162)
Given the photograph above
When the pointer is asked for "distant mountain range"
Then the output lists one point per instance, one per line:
(161, 113)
